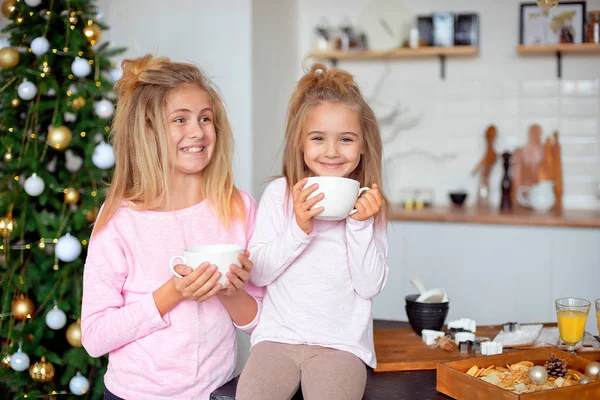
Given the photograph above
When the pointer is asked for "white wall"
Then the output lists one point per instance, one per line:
(274, 53)
(216, 36)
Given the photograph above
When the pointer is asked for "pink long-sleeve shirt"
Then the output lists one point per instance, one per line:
(188, 352)
(320, 285)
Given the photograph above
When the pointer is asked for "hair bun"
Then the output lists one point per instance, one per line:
(132, 70)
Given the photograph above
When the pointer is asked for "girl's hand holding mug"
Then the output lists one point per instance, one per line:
(302, 206)
(368, 204)
(238, 277)
(199, 284)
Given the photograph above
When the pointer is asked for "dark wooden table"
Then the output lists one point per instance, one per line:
(412, 385)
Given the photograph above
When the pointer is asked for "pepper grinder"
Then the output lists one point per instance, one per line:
(506, 202)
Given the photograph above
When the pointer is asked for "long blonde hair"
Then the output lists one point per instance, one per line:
(320, 84)
(139, 136)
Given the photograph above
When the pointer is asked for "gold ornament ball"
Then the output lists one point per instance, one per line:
(73, 19)
(42, 371)
(74, 334)
(7, 224)
(22, 307)
(92, 33)
(78, 103)
(71, 196)
(8, 6)
(15, 102)
(9, 57)
(46, 69)
(8, 157)
(91, 215)
(5, 361)
(60, 137)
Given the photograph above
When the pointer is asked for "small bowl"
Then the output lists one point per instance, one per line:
(411, 302)
(458, 198)
(426, 320)
(425, 315)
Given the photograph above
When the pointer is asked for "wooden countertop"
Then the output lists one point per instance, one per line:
(473, 215)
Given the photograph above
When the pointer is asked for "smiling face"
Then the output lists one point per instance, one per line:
(191, 129)
(332, 140)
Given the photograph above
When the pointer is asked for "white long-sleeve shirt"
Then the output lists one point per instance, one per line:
(319, 285)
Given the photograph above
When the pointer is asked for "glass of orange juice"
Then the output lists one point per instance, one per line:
(598, 314)
(572, 314)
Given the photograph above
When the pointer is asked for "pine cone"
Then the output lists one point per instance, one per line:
(556, 367)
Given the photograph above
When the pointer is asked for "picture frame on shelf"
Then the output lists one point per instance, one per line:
(564, 23)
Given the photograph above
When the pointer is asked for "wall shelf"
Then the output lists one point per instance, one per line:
(421, 52)
(558, 50)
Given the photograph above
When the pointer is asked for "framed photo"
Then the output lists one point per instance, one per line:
(564, 23)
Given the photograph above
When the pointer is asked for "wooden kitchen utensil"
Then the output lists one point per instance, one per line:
(558, 186)
(484, 166)
(526, 161)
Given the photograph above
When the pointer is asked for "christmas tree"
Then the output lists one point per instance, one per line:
(56, 105)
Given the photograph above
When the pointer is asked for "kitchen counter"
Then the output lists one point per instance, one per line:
(474, 215)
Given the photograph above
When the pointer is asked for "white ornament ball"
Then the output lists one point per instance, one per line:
(40, 46)
(26, 90)
(593, 370)
(69, 117)
(4, 43)
(68, 248)
(584, 380)
(115, 74)
(19, 361)
(51, 92)
(51, 167)
(73, 162)
(81, 67)
(34, 185)
(33, 3)
(56, 318)
(104, 156)
(104, 109)
(538, 375)
(99, 17)
(79, 384)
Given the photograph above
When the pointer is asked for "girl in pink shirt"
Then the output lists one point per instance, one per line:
(315, 329)
(168, 337)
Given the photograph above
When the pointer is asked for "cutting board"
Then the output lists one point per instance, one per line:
(404, 350)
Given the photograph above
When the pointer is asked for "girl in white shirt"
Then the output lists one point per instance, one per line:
(316, 329)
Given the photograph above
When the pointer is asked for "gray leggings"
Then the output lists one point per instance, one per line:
(274, 371)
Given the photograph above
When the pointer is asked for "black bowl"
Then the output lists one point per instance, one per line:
(426, 320)
(458, 198)
(427, 310)
(411, 301)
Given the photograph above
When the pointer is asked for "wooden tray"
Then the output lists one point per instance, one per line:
(452, 380)
(404, 350)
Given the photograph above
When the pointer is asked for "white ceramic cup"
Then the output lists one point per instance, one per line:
(340, 196)
(540, 197)
(221, 255)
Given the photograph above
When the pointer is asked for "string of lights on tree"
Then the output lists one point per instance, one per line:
(56, 105)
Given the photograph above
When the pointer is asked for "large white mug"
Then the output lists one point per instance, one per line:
(221, 255)
(540, 197)
(340, 196)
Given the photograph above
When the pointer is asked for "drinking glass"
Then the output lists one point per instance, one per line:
(572, 314)
(598, 314)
